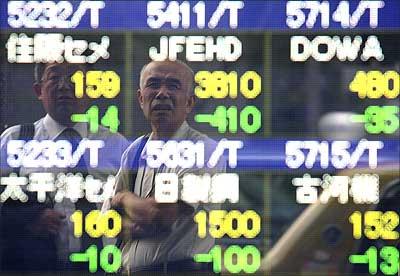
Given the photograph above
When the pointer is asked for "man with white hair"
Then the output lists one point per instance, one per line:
(161, 237)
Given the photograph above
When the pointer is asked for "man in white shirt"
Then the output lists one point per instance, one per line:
(48, 225)
(160, 236)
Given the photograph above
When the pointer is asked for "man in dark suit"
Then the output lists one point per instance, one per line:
(38, 236)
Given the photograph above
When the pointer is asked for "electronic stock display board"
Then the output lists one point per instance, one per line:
(300, 99)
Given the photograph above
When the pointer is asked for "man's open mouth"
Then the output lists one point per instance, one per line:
(65, 98)
(162, 107)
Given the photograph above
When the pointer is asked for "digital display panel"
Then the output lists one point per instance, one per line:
(207, 137)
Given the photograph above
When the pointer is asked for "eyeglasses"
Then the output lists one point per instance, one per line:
(57, 79)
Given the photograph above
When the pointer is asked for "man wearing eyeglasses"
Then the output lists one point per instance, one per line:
(161, 237)
(40, 236)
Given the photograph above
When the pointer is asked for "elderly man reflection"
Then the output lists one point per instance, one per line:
(40, 236)
(159, 236)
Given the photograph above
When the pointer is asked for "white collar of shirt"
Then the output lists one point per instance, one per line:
(54, 129)
(181, 133)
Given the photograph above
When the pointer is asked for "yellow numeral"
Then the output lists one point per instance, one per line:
(359, 84)
(390, 220)
(377, 225)
(393, 79)
(219, 84)
(232, 223)
(98, 83)
(77, 219)
(245, 87)
(356, 220)
(375, 84)
(97, 224)
(201, 219)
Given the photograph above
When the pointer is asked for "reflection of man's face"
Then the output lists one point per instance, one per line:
(56, 91)
(165, 95)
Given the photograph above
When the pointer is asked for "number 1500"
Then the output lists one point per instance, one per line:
(222, 222)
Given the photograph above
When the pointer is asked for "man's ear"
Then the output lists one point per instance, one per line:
(140, 98)
(190, 104)
(37, 87)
